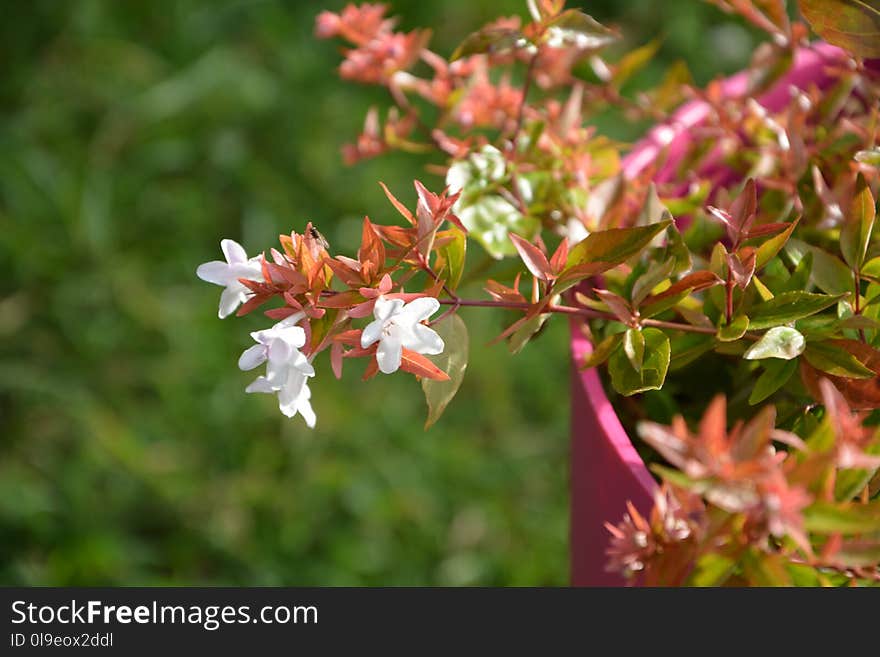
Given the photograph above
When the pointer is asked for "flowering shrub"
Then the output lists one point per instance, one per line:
(732, 257)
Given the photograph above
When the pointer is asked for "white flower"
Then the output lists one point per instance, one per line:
(227, 273)
(287, 368)
(398, 326)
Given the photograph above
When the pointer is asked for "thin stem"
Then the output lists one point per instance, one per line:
(571, 310)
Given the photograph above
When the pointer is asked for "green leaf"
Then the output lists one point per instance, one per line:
(774, 245)
(780, 342)
(735, 330)
(490, 41)
(853, 25)
(687, 348)
(604, 250)
(575, 29)
(614, 246)
(856, 232)
(712, 569)
(602, 351)
(763, 569)
(677, 250)
(800, 277)
(452, 256)
(836, 361)
(649, 280)
(851, 482)
(829, 273)
(634, 348)
(633, 62)
(526, 332)
(776, 374)
(453, 361)
(627, 380)
(788, 307)
(844, 518)
(870, 157)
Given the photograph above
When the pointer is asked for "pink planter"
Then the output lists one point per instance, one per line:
(606, 470)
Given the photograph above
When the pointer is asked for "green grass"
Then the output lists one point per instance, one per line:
(134, 136)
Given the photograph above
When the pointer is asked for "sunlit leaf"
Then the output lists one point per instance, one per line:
(834, 359)
(858, 224)
(451, 255)
(843, 518)
(614, 246)
(627, 380)
(602, 351)
(829, 272)
(788, 307)
(453, 361)
(735, 330)
(854, 25)
(781, 342)
(634, 348)
(575, 29)
(489, 41)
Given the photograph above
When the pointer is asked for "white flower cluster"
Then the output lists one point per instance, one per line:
(396, 326)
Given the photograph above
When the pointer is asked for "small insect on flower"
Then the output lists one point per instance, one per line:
(319, 238)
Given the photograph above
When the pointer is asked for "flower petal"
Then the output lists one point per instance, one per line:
(421, 308)
(371, 333)
(230, 299)
(425, 340)
(233, 251)
(215, 272)
(385, 308)
(280, 355)
(294, 336)
(389, 353)
(308, 414)
(249, 270)
(302, 363)
(260, 384)
(289, 395)
(291, 320)
(252, 357)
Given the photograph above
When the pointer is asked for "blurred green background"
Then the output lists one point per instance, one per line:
(134, 135)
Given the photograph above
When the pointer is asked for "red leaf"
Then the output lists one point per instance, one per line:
(766, 229)
(501, 292)
(617, 305)
(745, 207)
(698, 280)
(372, 369)
(415, 363)
(347, 274)
(336, 353)
(252, 304)
(372, 252)
(560, 257)
(742, 266)
(534, 259)
(397, 235)
(341, 300)
(351, 337)
(400, 207)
